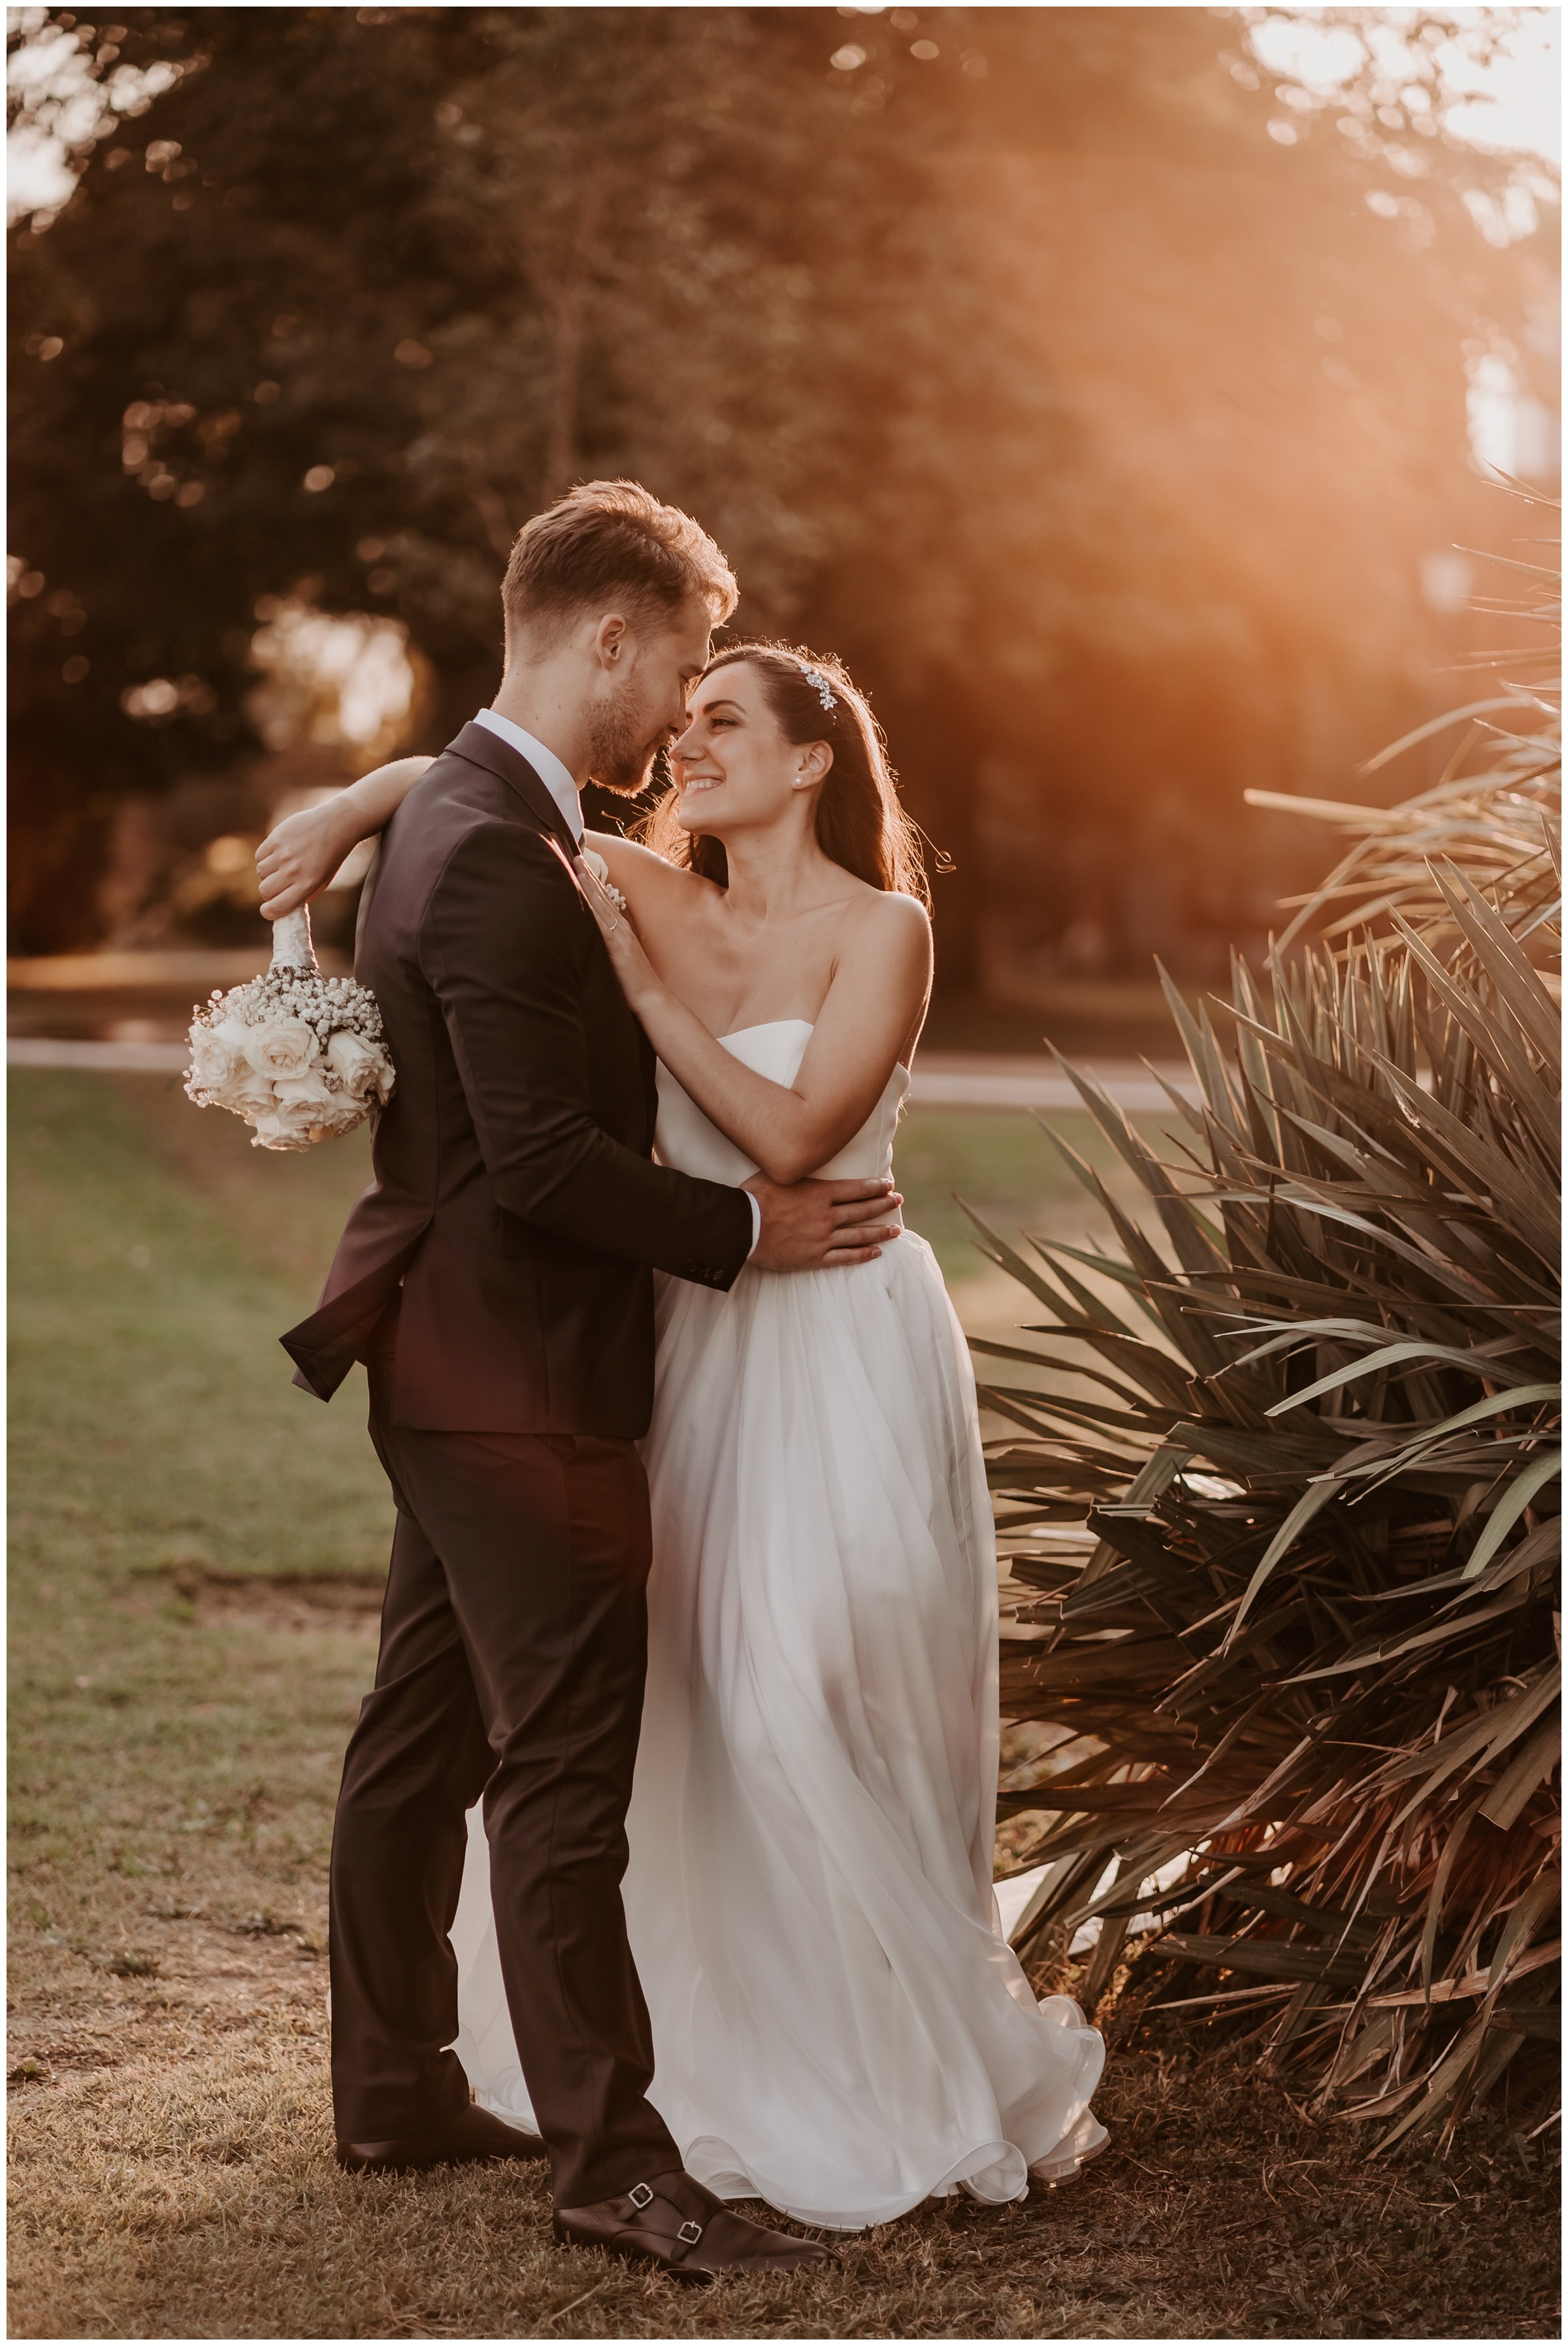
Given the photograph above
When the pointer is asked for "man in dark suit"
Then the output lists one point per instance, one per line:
(497, 1280)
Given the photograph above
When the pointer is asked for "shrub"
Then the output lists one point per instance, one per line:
(1291, 1522)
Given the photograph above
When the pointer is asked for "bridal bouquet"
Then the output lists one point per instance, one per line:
(300, 1055)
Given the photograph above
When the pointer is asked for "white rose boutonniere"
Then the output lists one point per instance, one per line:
(601, 871)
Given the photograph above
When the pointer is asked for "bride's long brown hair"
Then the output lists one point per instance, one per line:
(861, 823)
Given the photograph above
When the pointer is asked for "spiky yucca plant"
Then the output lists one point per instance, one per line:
(1289, 1505)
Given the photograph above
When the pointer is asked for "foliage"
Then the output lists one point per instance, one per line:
(376, 289)
(933, 340)
(1493, 824)
(1306, 1635)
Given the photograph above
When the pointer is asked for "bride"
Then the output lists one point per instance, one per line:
(840, 2026)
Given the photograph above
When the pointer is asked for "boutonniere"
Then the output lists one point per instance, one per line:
(596, 864)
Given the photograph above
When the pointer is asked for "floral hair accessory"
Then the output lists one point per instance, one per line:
(824, 689)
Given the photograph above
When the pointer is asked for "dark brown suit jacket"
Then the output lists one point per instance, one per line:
(515, 1204)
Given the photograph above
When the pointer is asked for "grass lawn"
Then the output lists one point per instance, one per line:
(1002, 1164)
(197, 1551)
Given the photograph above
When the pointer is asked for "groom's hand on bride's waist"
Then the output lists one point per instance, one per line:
(823, 1225)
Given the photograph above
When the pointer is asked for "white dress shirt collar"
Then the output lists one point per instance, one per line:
(556, 778)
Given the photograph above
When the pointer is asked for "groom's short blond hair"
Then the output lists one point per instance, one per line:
(609, 545)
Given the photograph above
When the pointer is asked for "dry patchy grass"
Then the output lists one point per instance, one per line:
(181, 2186)
(184, 1676)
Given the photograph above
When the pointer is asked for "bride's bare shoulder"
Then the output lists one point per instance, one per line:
(634, 866)
(882, 954)
(883, 919)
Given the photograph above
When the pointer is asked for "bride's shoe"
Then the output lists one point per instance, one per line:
(475, 2134)
(686, 2230)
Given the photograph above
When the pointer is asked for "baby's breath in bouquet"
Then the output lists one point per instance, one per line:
(300, 1055)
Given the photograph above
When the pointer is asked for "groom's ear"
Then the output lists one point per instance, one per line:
(612, 640)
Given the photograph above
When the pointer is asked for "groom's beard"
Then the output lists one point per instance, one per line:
(620, 754)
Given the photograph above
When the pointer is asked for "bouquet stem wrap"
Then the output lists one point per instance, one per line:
(291, 944)
(301, 1057)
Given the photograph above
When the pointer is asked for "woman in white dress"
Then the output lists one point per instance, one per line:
(838, 2025)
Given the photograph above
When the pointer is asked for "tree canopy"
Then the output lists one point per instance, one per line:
(1009, 353)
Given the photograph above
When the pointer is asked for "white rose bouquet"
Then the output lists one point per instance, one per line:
(298, 1054)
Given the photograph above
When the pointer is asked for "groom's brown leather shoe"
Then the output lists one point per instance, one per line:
(475, 2134)
(675, 2223)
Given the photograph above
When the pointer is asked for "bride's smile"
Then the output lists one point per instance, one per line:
(737, 771)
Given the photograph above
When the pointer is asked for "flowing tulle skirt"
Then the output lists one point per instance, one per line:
(840, 2027)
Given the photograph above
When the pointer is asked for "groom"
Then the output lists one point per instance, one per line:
(497, 1280)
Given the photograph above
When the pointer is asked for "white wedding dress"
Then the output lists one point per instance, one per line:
(838, 2026)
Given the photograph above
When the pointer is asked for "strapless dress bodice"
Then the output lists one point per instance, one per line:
(685, 1138)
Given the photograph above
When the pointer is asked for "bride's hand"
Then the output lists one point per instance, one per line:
(298, 856)
(639, 981)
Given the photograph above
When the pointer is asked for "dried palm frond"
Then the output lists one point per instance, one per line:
(1294, 1553)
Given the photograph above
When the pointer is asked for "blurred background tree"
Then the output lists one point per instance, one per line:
(1102, 392)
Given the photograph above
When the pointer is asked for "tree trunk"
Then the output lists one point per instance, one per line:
(568, 300)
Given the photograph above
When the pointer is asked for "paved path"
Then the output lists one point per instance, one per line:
(966, 1079)
(100, 1058)
(941, 1079)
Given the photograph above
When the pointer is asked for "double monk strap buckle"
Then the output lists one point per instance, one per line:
(673, 2223)
(642, 2194)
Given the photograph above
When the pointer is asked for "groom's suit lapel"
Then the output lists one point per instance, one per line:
(481, 747)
